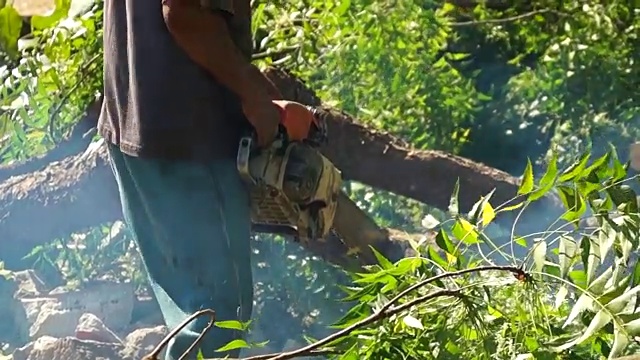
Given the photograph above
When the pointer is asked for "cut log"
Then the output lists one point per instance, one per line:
(79, 191)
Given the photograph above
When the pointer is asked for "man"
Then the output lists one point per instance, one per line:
(179, 92)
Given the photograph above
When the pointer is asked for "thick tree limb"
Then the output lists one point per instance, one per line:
(79, 191)
(385, 162)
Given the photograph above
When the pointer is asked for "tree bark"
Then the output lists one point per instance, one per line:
(79, 191)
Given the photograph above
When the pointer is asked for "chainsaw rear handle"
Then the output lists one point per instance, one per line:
(249, 145)
(298, 122)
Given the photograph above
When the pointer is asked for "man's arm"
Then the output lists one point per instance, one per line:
(270, 86)
(200, 29)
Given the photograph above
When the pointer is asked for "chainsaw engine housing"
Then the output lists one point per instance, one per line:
(294, 188)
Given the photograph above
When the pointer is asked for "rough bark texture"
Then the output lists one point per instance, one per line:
(39, 203)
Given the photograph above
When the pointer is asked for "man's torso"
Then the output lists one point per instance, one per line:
(157, 101)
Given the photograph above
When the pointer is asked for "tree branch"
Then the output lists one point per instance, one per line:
(504, 20)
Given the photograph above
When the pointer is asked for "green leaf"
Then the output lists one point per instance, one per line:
(521, 241)
(360, 293)
(443, 241)
(234, 344)
(526, 186)
(598, 285)
(624, 195)
(561, 295)
(434, 256)
(618, 304)
(619, 171)
(567, 250)
(585, 249)
(547, 181)
(575, 170)
(479, 207)
(601, 319)
(606, 239)
(573, 202)
(597, 165)
(454, 209)
(614, 290)
(593, 260)
(488, 214)
(230, 324)
(579, 278)
(383, 261)
(412, 322)
(447, 8)
(61, 11)
(355, 314)
(465, 232)
(584, 302)
(620, 342)
(476, 210)
(10, 27)
(633, 327)
(539, 254)
(342, 8)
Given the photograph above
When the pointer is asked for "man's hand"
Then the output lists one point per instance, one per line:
(264, 117)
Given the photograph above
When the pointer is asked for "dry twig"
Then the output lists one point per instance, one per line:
(158, 349)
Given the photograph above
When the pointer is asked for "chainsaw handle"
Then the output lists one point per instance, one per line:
(252, 136)
(249, 145)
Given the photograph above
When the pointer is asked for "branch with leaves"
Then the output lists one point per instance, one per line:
(386, 311)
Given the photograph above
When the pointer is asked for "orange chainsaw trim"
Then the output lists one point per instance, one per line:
(296, 118)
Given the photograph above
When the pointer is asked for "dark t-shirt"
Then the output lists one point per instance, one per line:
(157, 101)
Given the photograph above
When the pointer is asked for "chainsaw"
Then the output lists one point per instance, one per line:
(295, 190)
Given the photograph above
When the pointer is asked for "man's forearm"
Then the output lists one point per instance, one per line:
(268, 84)
(204, 36)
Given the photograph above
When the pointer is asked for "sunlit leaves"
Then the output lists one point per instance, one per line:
(464, 231)
(54, 82)
(234, 345)
(539, 254)
(10, 27)
(411, 321)
(380, 63)
(526, 186)
(589, 266)
(567, 250)
(547, 181)
(45, 21)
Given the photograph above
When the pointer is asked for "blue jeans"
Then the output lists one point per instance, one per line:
(191, 222)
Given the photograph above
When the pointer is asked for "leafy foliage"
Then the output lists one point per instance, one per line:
(573, 297)
(526, 87)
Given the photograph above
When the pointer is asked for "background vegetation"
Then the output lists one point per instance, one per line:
(542, 80)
